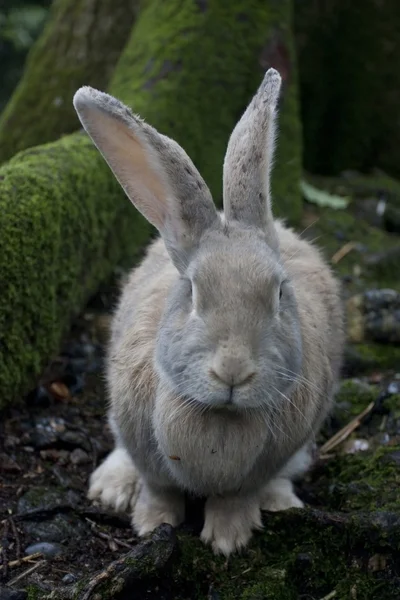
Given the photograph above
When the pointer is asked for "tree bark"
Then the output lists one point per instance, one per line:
(80, 45)
(349, 59)
(189, 68)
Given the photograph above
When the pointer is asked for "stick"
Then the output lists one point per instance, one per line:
(330, 595)
(20, 561)
(27, 572)
(344, 433)
(16, 537)
(107, 536)
(341, 253)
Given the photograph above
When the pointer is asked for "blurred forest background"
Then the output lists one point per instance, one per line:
(21, 22)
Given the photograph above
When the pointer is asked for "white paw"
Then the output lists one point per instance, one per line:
(279, 495)
(152, 508)
(229, 523)
(114, 483)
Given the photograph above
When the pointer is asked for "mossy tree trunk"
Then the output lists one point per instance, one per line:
(80, 45)
(349, 59)
(189, 68)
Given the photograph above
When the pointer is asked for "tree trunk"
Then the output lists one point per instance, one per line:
(349, 59)
(81, 44)
(189, 68)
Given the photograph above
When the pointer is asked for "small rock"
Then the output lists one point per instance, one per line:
(59, 390)
(11, 441)
(44, 498)
(47, 549)
(75, 439)
(69, 578)
(47, 432)
(55, 529)
(375, 316)
(393, 457)
(8, 464)
(59, 456)
(79, 457)
(7, 593)
(393, 388)
(354, 446)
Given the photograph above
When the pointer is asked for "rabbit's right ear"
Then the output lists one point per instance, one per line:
(155, 172)
(249, 158)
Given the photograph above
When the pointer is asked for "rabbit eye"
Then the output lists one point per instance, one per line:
(281, 289)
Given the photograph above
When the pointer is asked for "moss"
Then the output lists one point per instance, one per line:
(79, 46)
(194, 78)
(299, 554)
(373, 357)
(64, 222)
(334, 228)
(366, 481)
(33, 592)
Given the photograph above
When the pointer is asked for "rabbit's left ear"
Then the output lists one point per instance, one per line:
(156, 173)
(249, 158)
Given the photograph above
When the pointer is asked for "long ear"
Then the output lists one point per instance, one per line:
(249, 159)
(155, 172)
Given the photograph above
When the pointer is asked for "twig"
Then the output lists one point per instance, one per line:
(330, 595)
(24, 559)
(107, 536)
(95, 582)
(342, 252)
(16, 537)
(3, 550)
(344, 433)
(27, 572)
(41, 514)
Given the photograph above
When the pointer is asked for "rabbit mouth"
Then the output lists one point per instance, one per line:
(216, 403)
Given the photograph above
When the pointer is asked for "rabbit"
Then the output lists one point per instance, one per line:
(227, 340)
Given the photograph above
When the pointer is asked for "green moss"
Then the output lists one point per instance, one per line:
(64, 224)
(195, 76)
(376, 356)
(334, 228)
(75, 49)
(299, 554)
(33, 592)
(355, 395)
(365, 481)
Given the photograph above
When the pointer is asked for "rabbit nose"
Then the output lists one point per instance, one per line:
(233, 370)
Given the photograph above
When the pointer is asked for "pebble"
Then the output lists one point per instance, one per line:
(356, 445)
(69, 578)
(79, 457)
(7, 593)
(47, 549)
(8, 464)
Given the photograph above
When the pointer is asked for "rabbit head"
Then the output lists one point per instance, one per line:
(230, 324)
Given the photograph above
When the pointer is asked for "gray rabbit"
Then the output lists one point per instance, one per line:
(227, 341)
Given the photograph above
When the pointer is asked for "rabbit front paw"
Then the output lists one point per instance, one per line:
(279, 495)
(229, 523)
(114, 483)
(156, 506)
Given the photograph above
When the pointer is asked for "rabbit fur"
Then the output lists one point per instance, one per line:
(227, 341)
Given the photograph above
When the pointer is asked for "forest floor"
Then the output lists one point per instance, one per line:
(56, 544)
